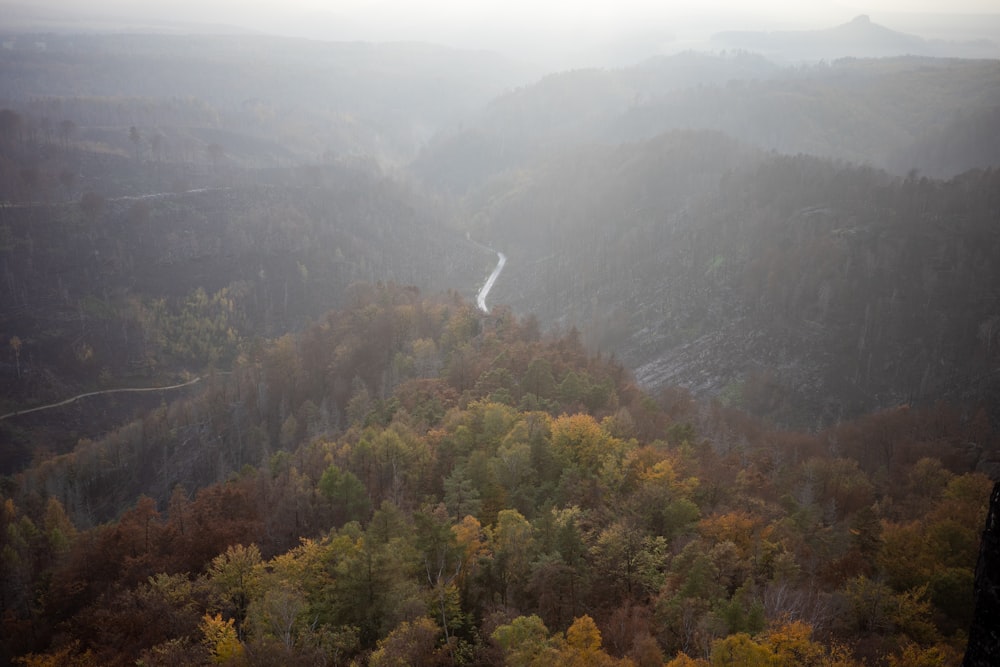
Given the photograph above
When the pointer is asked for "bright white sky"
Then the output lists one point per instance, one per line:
(539, 28)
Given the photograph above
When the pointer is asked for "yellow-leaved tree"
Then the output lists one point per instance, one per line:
(221, 639)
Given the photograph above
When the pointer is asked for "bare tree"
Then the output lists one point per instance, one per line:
(45, 125)
(136, 138)
(67, 129)
(31, 178)
(156, 145)
(15, 346)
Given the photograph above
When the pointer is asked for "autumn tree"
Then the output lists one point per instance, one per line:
(525, 643)
(235, 575)
(411, 643)
(442, 561)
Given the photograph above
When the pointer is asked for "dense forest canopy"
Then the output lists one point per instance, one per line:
(479, 494)
(734, 399)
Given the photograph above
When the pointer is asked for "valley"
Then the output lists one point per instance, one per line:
(351, 353)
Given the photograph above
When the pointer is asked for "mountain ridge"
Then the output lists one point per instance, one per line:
(858, 38)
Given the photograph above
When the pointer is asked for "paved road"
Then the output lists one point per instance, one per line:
(97, 393)
(481, 297)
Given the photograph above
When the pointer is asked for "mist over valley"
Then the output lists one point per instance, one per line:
(361, 335)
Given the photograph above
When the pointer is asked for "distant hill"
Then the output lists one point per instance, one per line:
(886, 112)
(38, 18)
(316, 98)
(352, 452)
(569, 108)
(794, 287)
(890, 112)
(157, 222)
(859, 38)
(167, 200)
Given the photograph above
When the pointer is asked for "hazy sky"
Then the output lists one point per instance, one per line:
(546, 29)
(237, 10)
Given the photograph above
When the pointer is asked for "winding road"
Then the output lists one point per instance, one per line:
(481, 297)
(480, 301)
(97, 393)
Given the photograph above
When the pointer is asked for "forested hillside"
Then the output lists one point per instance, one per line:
(798, 288)
(104, 290)
(407, 482)
(735, 402)
(898, 113)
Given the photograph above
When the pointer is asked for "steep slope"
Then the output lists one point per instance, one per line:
(133, 291)
(168, 201)
(293, 517)
(795, 287)
(566, 109)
